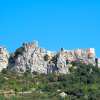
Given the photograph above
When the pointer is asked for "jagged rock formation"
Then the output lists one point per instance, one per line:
(30, 57)
(4, 56)
(86, 56)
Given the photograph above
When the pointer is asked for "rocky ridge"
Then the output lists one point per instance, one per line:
(30, 57)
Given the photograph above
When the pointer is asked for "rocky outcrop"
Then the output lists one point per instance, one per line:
(31, 57)
(61, 64)
(4, 56)
(35, 59)
(86, 56)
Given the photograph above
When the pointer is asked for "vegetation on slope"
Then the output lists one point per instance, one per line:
(83, 83)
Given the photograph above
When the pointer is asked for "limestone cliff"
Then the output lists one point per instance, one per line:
(31, 57)
(4, 56)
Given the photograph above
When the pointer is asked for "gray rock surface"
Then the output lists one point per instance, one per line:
(30, 57)
(4, 56)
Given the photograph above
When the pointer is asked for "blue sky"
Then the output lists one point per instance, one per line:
(54, 23)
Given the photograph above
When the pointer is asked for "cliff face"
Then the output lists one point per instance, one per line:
(4, 56)
(30, 57)
(35, 59)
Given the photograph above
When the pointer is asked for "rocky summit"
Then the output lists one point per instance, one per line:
(31, 57)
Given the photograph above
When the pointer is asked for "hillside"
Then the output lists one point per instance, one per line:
(82, 83)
